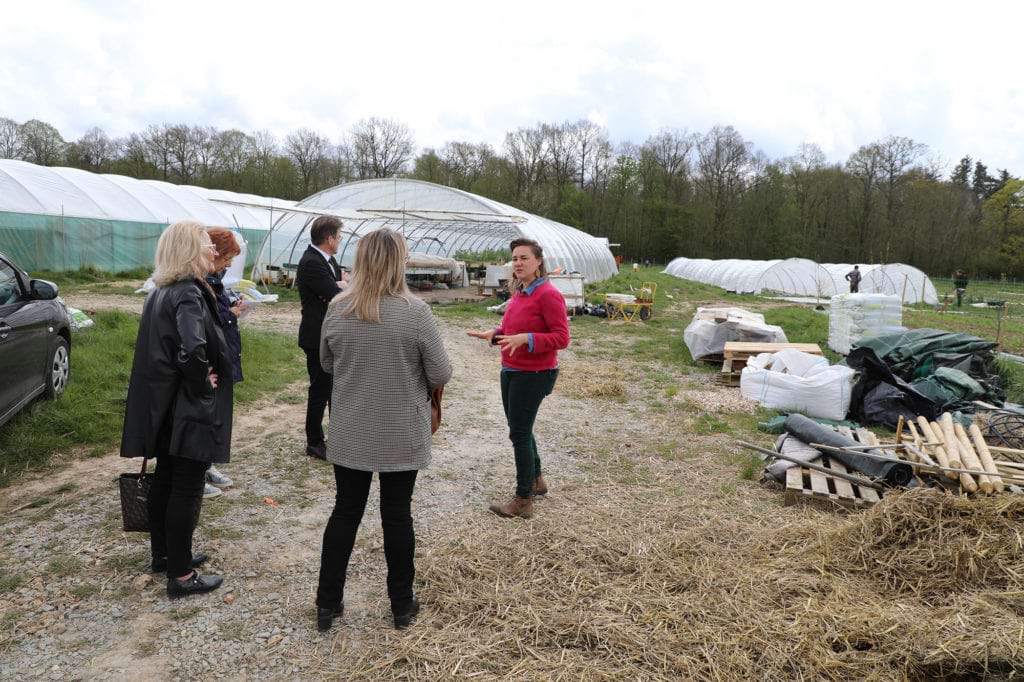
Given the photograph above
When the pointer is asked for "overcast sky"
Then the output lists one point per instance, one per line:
(950, 75)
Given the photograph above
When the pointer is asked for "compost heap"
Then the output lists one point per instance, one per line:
(922, 372)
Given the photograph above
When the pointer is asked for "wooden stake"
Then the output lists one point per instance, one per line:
(952, 449)
(986, 457)
(941, 455)
(899, 430)
(971, 461)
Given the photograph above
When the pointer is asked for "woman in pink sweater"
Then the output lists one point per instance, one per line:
(533, 330)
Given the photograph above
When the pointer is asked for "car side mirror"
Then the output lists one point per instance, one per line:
(41, 290)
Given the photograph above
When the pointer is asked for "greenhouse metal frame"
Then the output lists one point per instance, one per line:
(57, 218)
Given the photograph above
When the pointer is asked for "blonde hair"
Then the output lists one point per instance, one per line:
(179, 253)
(379, 271)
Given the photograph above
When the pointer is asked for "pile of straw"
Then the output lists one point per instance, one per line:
(601, 586)
(593, 381)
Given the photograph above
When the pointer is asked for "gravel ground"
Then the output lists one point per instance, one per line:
(87, 608)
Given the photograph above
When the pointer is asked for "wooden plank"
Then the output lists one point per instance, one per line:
(751, 348)
(794, 486)
(869, 495)
(844, 488)
(845, 431)
(819, 484)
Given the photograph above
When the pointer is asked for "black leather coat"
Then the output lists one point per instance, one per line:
(171, 407)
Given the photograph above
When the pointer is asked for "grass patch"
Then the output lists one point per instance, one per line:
(9, 581)
(70, 279)
(84, 591)
(63, 566)
(90, 414)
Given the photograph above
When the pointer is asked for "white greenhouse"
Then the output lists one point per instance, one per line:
(803, 277)
(436, 220)
(65, 218)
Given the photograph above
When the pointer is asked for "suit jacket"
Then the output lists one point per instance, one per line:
(388, 369)
(318, 284)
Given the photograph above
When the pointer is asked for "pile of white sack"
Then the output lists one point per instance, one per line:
(711, 328)
(792, 381)
(853, 317)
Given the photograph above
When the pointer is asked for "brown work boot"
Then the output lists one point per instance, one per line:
(540, 486)
(517, 506)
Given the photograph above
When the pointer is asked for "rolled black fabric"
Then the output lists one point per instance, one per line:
(891, 473)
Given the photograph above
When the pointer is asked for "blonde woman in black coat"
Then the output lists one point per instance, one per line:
(179, 402)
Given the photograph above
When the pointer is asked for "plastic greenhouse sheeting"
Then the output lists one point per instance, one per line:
(66, 218)
(436, 220)
(803, 277)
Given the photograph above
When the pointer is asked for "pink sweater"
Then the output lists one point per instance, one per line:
(541, 313)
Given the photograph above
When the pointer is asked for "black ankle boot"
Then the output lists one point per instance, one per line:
(405, 618)
(325, 617)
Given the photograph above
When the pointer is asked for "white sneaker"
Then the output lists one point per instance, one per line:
(218, 479)
(211, 491)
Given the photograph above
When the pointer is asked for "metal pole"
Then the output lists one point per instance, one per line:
(859, 480)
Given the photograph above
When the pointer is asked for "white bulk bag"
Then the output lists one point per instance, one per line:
(792, 381)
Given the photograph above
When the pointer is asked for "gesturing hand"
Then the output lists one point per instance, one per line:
(513, 342)
(487, 336)
(212, 377)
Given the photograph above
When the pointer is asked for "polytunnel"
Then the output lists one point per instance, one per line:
(64, 218)
(803, 277)
(435, 220)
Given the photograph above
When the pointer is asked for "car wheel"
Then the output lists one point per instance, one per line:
(58, 370)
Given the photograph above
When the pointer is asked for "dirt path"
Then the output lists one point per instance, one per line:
(87, 607)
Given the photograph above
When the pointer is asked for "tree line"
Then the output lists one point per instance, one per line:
(710, 194)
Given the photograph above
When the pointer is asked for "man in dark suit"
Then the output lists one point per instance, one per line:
(319, 279)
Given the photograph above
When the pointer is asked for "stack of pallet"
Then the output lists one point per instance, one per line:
(737, 353)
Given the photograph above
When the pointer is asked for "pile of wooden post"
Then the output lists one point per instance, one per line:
(945, 447)
(737, 353)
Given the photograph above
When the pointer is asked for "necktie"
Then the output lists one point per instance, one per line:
(334, 268)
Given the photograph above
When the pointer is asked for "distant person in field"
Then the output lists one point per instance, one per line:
(960, 282)
(533, 330)
(853, 277)
(227, 248)
(319, 279)
(179, 403)
(383, 348)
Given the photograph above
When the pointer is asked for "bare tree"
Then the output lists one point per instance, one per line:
(135, 155)
(204, 142)
(11, 140)
(588, 138)
(309, 150)
(231, 153)
(723, 164)
(183, 151)
(94, 150)
(526, 149)
(43, 144)
(158, 149)
(262, 152)
(670, 150)
(462, 163)
(381, 147)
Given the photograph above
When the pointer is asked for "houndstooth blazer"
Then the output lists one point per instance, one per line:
(383, 373)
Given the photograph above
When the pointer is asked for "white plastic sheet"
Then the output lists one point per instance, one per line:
(853, 317)
(711, 328)
(792, 381)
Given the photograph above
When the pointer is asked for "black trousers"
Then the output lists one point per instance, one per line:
(521, 396)
(319, 398)
(340, 535)
(175, 499)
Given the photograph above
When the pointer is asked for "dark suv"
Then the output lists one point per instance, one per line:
(35, 340)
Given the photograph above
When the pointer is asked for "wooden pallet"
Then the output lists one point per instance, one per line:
(819, 489)
(745, 349)
(732, 370)
(816, 487)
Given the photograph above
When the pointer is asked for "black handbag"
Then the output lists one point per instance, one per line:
(135, 500)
